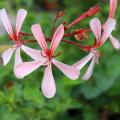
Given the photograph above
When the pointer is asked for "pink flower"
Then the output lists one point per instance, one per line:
(94, 55)
(115, 42)
(15, 36)
(96, 27)
(46, 58)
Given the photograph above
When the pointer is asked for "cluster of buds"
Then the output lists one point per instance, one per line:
(46, 56)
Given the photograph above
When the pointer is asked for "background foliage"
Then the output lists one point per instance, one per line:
(96, 99)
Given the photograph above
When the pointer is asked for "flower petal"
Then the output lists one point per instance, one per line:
(108, 28)
(6, 56)
(19, 21)
(6, 22)
(115, 42)
(33, 53)
(89, 71)
(18, 60)
(26, 68)
(70, 71)
(48, 84)
(113, 6)
(95, 26)
(80, 64)
(57, 37)
(37, 32)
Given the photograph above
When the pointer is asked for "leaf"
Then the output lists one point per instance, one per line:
(14, 93)
(33, 94)
(102, 79)
(10, 116)
(2, 96)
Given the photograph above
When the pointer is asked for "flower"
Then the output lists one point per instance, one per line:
(94, 55)
(114, 41)
(16, 37)
(46, 58)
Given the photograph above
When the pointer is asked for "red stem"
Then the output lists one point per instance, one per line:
(58, 15)
(23, 33)
(92, 11)
(77, 44)
(29, 41)
(85, 48)
(53, 27)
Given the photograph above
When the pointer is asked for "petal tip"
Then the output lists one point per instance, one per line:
(62, 27)
(5, 63)
(2, 10)
(49, 95)
(18, 76)
(35, 25)
(76, 76)
(85, 79)
(23, 10)
(93, 20)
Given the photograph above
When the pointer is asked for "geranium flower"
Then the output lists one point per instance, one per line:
(16, 37)
(115, 42)
(94, 55)
(46, 58)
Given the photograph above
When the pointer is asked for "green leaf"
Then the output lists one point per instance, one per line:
(102, 79)
(33, 94)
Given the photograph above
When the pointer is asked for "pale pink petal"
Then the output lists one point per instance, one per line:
(18, 60)
(89, 71)
(33, 53)
(95, 26)
(19, 21)
(6, 56)
(57, 37)
(113, 6)
(70, 71)
(80, 64)
(26, 68)
(115, 42)
(38, 34)
(108, 28)
(48, 84)
(6, 22)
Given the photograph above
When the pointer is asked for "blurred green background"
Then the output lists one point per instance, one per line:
(96, 99)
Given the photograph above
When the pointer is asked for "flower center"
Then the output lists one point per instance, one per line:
(16, 39)
(49, 54)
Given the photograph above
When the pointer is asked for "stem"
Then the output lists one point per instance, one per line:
(58, 15)
(92, 11)
(29, 41)
(71, 42)
(77, 44)
(83, 47)
(22, 33)
(53, 27)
